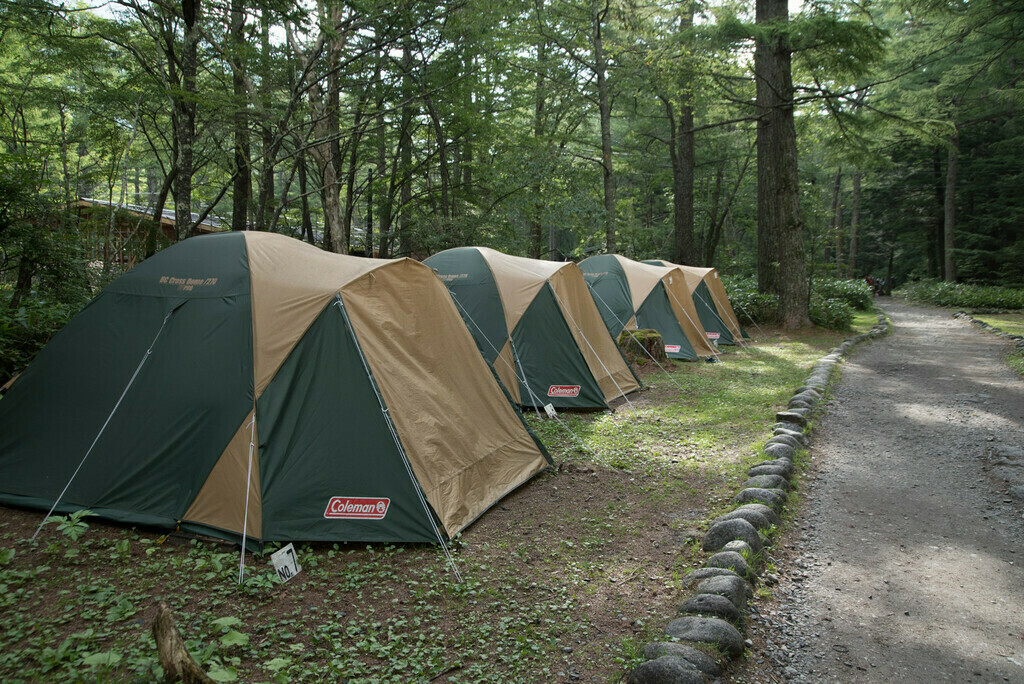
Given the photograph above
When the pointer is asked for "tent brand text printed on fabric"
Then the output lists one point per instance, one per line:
(714, 335)
(352, 508)
(564, 391)
(670, 348)
(187, 284)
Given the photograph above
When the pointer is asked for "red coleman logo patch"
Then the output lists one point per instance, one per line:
(669, 348)
(564, 391)
(356, 509)
(714, 336)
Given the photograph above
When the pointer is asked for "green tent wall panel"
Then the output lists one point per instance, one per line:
(562, 365)
(559, 365)
(299, 459)
(610, 287)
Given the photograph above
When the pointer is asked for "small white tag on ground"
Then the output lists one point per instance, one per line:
(550, 410)
(285, 562)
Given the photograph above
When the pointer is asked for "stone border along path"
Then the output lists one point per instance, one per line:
(716, 613)
(1017, 339)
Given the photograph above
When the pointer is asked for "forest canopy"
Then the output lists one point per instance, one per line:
(553, 129)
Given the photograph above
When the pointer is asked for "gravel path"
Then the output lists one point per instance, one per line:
(906, 562)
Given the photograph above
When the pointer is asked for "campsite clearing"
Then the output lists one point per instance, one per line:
(565, 578)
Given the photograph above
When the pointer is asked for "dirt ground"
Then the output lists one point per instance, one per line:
(905, 561)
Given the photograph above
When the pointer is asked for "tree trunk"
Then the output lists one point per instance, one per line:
(185, 107)
(243, 174)
(307, 220)
(158, 212)
(936, 263)
(781, 261)
(368, 244)
(837, 221)
(854, 225)
(949, 213)
(405, 153)
(683, 162)
(539, 100)
(174, 656)
(605, 108)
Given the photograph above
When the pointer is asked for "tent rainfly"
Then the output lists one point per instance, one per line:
(713, 307)
(248, 384)
(632, 295)
(537, 326)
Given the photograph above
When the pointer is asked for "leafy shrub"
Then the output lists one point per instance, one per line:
(24, 332)
(831, 313)
(750, 305)
(856, 293)
(961, 295)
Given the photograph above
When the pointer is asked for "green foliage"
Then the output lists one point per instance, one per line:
(855, 293)
(72, 526)
(750, 305)
(831, 313)
(964, 296)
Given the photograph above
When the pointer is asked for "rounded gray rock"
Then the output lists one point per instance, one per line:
(788, 426)
(731, 586)
(733, 561)
(768, 482)
(666, 670)
(791, 417)
(725, 531)
(785, 470)
(741, 547)
(712, 605)
(788, 440)
(699, 659)
(775, 498)
(780, 450)
(701, 574)
(810, 391)
(758, 520)
(798, 436)
(764, 510)
(707, 631)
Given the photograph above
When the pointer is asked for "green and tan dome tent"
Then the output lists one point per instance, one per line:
(713, 307)
(251, 383)
(632, 295)
(537, 325)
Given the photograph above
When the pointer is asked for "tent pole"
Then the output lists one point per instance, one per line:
(248, 481)
(398, 443)
(142, 362)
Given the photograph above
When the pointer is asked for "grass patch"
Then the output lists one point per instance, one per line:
(567, 576)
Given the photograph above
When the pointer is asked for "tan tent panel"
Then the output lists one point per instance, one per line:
(462, 465)
(722, 303)
(709, 276)
(598, 347)
(643, 278)
(518, 281)
(505, 367)
(292, 282)
(221, 501)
